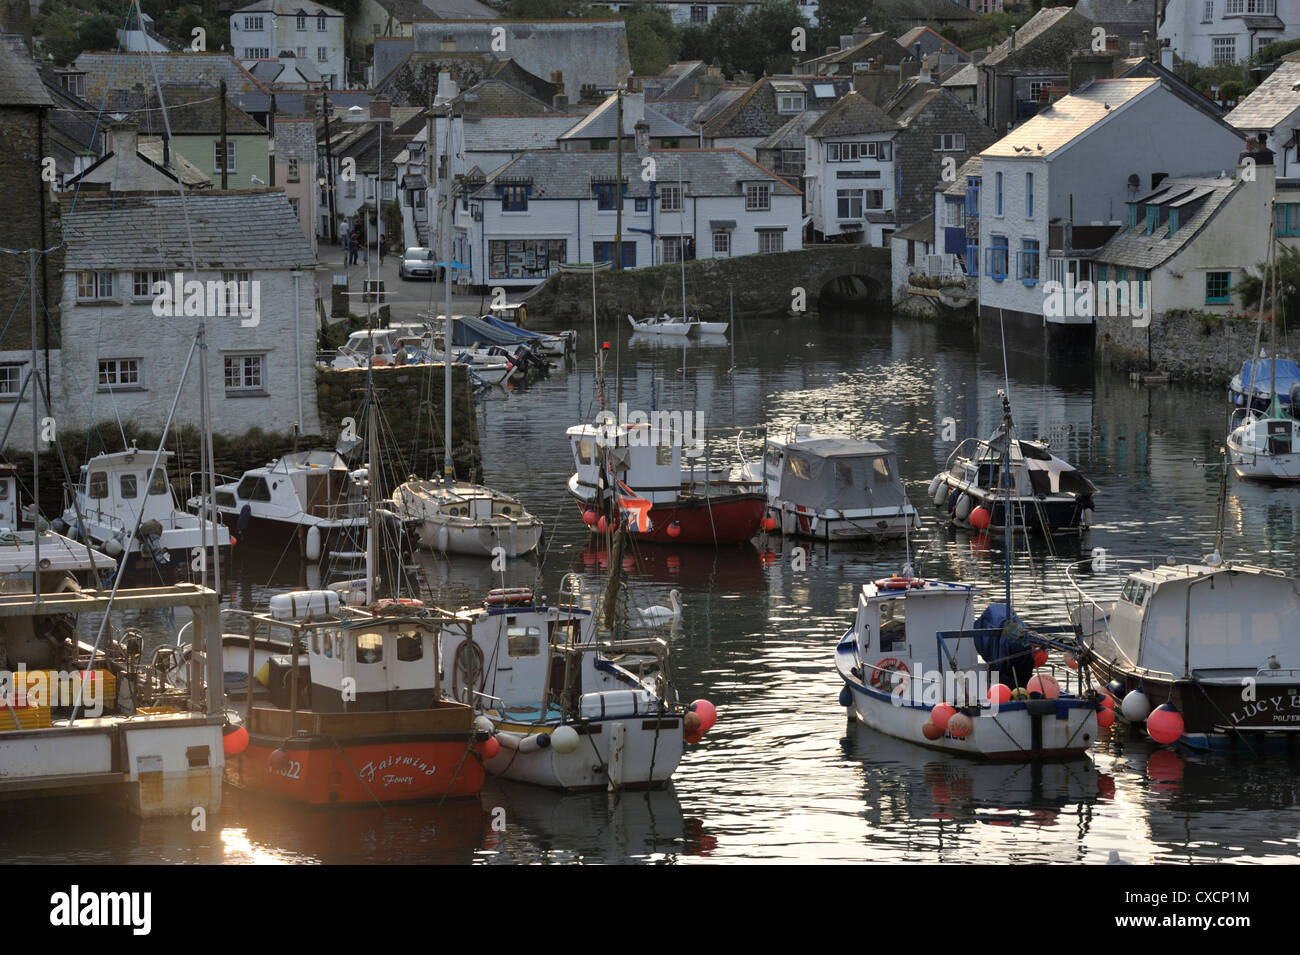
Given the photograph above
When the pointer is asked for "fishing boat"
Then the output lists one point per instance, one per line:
(833, 487)
(1217, 640)
(356, 713)
(918, 665)
(307, 498)
(565, 715)
(466, 519)
(638, 473)
(980, 485)
(112, 501)
(1264, 444)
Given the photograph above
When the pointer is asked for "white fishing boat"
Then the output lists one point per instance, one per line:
(833, 487)
(127, 492)
(380, 346)
(917, 665)
(309, 498)
(466, 519)
(565, 715)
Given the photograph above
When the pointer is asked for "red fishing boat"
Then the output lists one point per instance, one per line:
(357, 717)
(634, 473)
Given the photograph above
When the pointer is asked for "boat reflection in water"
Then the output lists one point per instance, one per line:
(919, 801)
(541, 825)
(735, 570)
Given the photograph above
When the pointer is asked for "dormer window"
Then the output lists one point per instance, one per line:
(1132, 216)
(1153, 219)
(790, 104)
(1173, 221)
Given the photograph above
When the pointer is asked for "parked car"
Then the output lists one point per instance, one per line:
(417, 263)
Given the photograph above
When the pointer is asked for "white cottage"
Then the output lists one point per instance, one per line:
(123, 343)
(309, 31)
(850, 172)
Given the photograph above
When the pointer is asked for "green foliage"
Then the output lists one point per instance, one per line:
(653, 42)
(65, 28)
(1272, 52)
(1288, 283)
(756, 41)
(987, 30)
(544, 9)
(1230, 91)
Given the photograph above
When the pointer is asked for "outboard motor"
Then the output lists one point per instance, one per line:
(151, 543)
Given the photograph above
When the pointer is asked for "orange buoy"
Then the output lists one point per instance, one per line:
(942, 714)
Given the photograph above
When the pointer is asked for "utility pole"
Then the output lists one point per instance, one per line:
(225, 156)
(618, 186)
(270, 160)
(329, 168)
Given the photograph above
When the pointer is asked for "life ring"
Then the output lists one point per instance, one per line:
(508, 595)
(467, 670)
(397, 603)
(887, 665)
(899, 583)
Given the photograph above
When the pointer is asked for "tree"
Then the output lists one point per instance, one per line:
(544, 9)
(1288, 284)
(652, 40)
(757, 41)
(98, 32)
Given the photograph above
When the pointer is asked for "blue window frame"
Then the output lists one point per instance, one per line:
(1029, 261)
(973, 196)
(1218, 288)
(1153, 219)
(973, 257)
(605, 194)
(1103, 275)
(1132, 216)
(1121, 286)
(998, 193)
(642, 205)
(1173, 221)
(604, 252)
(1288, 218)
(999, 254)
(1029, 195)
(514, 198)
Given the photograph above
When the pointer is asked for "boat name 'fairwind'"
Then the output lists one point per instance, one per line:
(415, 762)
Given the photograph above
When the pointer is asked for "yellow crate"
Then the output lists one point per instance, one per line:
(29, 717)
(33, 680)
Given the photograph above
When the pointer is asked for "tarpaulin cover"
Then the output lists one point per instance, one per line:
(502, 325)
(841, 473)
(1288, 374)
(474, 331)
(1011, 658)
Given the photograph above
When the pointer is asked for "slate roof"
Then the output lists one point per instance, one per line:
(191, 110)
(124, 71)
(967, 75)
(290, 69)
(602, 123)
(971, 167)
(515, 133)
(791, 135)
(679, 110)
(920, 230)
(1272, 101)
(1135, 249)
(914, 34)
(852, 115)
(704, 172)
(754, 112)
(1034, 28)
(678, 80)
(20, 84)
(295, 138)
(240, 230)
(151, 149)
(495, 97)
(289, 8)
(1070, 117)
(852, 52)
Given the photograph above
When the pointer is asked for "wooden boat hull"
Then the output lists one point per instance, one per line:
(360, 758)
(717, 521)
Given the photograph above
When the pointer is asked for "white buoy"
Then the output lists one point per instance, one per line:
(313, 543)
(941, 494)
(934, 485)
(1135, 706)
(565, 739)
(113, 547)
(484, 725)
(963, 507)
(1086, 518)
(442, 538)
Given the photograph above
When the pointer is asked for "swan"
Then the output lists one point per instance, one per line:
(661, 614)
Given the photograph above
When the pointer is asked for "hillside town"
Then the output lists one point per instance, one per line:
(772, 338)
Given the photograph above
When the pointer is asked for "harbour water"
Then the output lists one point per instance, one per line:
(784, 776)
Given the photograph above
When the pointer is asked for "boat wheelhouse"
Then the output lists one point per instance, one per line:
(124, 498)
(987, 483)
(915, 645)
(566, 715)
(308, 497)
(1195, 634)
(833, 487)
(356, 713)
(642, 473)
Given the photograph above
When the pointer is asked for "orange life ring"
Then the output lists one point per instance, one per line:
(887, 665)
(898, 583)
(508, 595)
(388, 602)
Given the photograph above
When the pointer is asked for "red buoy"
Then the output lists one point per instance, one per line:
(674, 529)
(960, 726)
(980, 518)
(1165, 724)
(930, 731)
(235, 741)
(942, 714)
(589, 517)
(999, 693)
(708, 714)
(1106, 718)
(769, 523)
(1040, 657)
(602, 525)
(489, 747)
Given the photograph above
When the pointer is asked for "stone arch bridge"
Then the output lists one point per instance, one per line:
(762, 285)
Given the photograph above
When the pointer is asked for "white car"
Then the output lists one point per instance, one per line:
(417, 263)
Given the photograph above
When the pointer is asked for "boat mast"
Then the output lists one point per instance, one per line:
(32, 255)
(1006, 481)
(372, 480)
(1273, 410)
(444, 173)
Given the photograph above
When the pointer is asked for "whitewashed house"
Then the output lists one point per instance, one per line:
(295, 169)
(1056, 187)
(547, 208)
(311, 31)
(121, 360)
(850, 173)
(1221, 32)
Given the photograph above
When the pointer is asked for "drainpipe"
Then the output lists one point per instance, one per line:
(297, 347)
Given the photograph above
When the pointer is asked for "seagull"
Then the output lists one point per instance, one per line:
(256, 181)
(660, 614)
(1116, 859)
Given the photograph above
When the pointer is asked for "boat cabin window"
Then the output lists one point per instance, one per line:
(370, 647)
(584, 452)
(774, 457)
(799, 468)
(844, 474)
(4, 490)
(410, 646)
(563, 631)
(880, 467)
(253, 488)
(893, 626)
(159, 483)
(99, 485)
(1135, 592)
(128, 486)
(523, 641)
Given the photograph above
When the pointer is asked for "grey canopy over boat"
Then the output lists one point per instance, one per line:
(842, 474)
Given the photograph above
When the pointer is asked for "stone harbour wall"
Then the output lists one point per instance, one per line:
(1186, 346)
